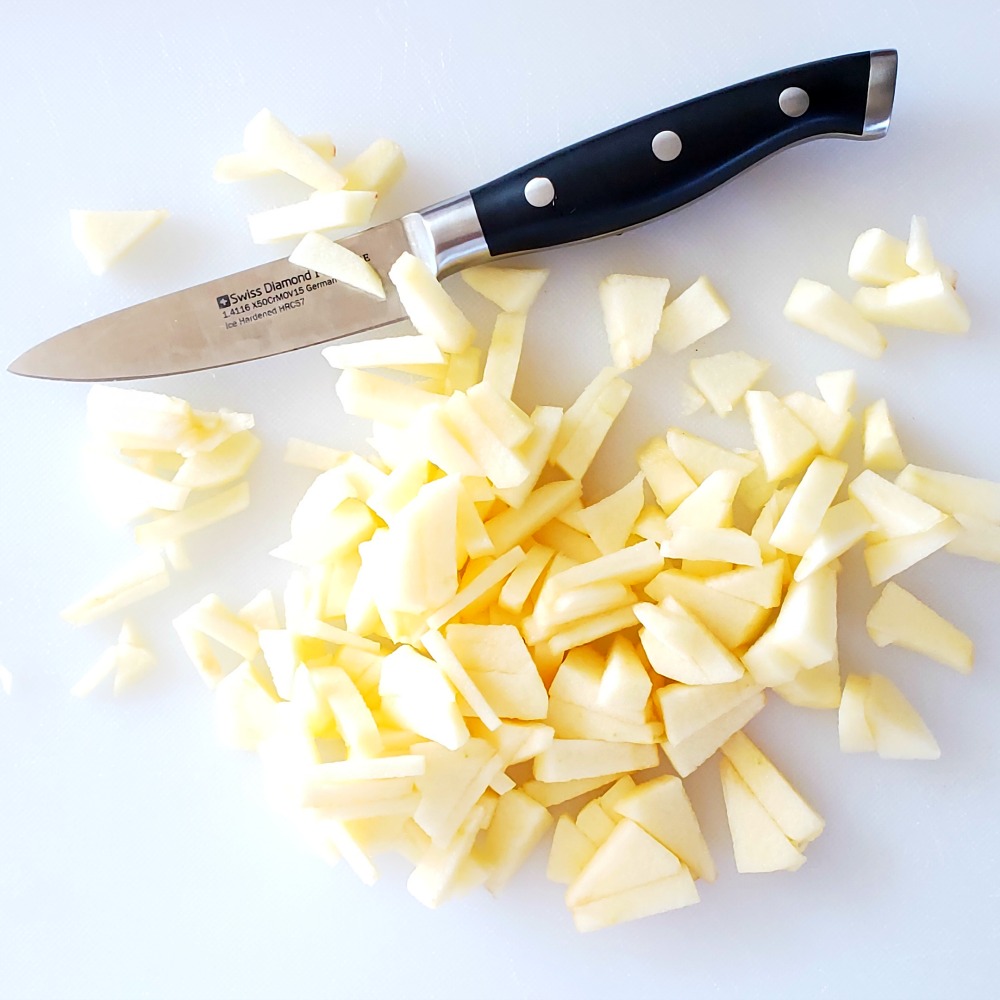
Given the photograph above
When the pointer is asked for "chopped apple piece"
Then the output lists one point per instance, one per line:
(885, 559)
(492, 576)
(838, 389)
(554, 793)
(726, 545)
(759, 845)
(244, 166)
(843, 525)
(667, 477)
(513, 289)
(633, 904)
(808, 505)
(701, 458)
(569, 759)
(951, 492)
(680, 648)
(815, 688)
(504, 354)
(796, 819)
(430, 308)
(389, 352)
(899, 619)
(920, 255)
(570, 852)
(695, 313)
(375, 168)
(895, 511)
(853, 723)
(897, 729)
(691, 399)
(170, 527)
(761, 585)
(310, 455)
(318, 253)
(633, 564)
(831, 429)
(632, 305)
(661, 807)
(819, 308)
(806, 626)
(924, 302)
(104, 237)
(270, 140)
(323, 210)
(785, 444)
(141, 578)
(878, 259)
(723, 379)
(708, 506)
(517, 827)
(576, 455)
(977, 538)
(220, 466)
(625, 686)
(881, 445)
(610, 521)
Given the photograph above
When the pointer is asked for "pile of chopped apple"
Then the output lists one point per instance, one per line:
(465, 644)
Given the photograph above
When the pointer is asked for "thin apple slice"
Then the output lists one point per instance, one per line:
(318, 253)
(885, 559)
(632, 305)
(566, 760)
(430, 308)
(819, 308)
(808, 505)
(376, 168)
(843, 526)
(244, 166)
(897, 728)
(695, 313)
(759, 845)
(140, 578)
(504, 354)
(853, 726)
(323, 210)
(899, 619)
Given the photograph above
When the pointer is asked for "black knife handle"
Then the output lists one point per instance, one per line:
(636, 172)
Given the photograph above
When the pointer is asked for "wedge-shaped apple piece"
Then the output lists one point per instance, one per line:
(270, 140)
(667, 477)
(569, 759)
(522, 580)
(701, 458)
(318, 253)
(760, 585)
(806, 626)
(878, 259)
(815, 688)
(680, 648)
(104, 237)
(632, 305)
(695, 313)
(627, 858)
(533, 453)
(244, 166)
(733, 620)
(898, 619)
(513, 289)
(375, 168)
(838, 389)
(723, 379)
(498, 460)
(625, 686)
(554, 793)
(880, 442)
(977, 538)
(438, 870)
(491, 577)
(830, 428)
(571, 850)
(759, 845)
(633, 564)
(453, 668)
(324, 210)
(243, 709)
(897, 729)
(785, 444)
(799, 822)
(768, 519)
(633, 904)
(517, 827)
(951, 492)
(416, 695)
(727, 545)
(924, 302)
(895, 511)
(499, 663)
(583, 404)
(808, 505)
(885, 559)
(610, 521)
(769, 663)
(819, 308)
(686, 709)
(430, 308)
(574, 722)
(919, 253)
(219, 467)
(843, 526)
(575, 456)
(852, 723)
(661, 807)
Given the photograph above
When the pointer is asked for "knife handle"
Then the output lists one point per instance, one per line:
(636, 172)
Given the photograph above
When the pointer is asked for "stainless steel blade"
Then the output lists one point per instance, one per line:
(265, 310)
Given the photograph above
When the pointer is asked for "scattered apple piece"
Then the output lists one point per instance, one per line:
(878, 259)
(376, 168)
(695, 313)
(924, 302)
(323, 210)
(318, 253)
(819, 308)
(723, 379)
(104, 237)
(513, 289)
(632, 305)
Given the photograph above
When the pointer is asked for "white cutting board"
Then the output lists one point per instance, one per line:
(139, 860)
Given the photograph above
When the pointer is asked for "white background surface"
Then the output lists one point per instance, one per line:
(139, 860)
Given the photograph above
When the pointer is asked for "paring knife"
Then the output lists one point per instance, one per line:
(611, 182)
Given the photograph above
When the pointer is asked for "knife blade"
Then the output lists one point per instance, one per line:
(613, 181)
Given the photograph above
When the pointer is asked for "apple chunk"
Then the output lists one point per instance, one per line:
(632, 305)
(924, 302)
(819, 308)
(318, 253)
(695, 313)
(270, 140)
(103, 237)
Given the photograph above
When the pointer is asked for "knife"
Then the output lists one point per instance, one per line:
(616, 180)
